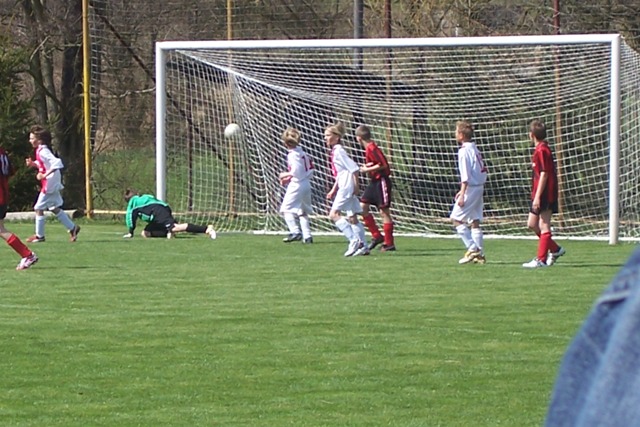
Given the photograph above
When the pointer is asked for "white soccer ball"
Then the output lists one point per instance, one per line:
(232, 130)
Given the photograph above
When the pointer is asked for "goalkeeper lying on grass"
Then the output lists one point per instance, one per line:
(158, 216)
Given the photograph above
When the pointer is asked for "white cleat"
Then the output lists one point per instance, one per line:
(354, 245)
(211, 232)
(552, 257)
(534, 263)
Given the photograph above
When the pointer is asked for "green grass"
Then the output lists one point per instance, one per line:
(248, 331)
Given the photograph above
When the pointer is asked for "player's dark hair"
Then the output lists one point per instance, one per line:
(42, 134)
(538, 130)
(364, 132)
(129, 193)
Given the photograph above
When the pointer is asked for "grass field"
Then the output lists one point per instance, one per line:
(248, 331)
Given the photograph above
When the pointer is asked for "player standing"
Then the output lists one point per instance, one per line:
(296, 203)
(28, 257)
(544, 198)
(49, 167)
(345, 190)
(469, 203)
(378, 191)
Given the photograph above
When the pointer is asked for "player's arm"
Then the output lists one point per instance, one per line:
(48, 158)
(542, 183)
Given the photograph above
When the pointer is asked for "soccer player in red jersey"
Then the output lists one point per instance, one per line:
(544, 198)
(378, 192)
(6, 171)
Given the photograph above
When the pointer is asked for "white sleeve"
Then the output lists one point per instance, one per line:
(49, 159)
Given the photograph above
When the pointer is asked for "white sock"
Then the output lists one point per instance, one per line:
(476, 235)
(40, 220)
(358, 230)
(465, 234)
(343, 225)
(305, 225)
(292, 223)
(65, 220)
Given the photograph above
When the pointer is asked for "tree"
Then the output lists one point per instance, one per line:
(55, 37)
(15, 115)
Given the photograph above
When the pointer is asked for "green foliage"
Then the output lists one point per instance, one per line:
(14, 122)
(248, 331)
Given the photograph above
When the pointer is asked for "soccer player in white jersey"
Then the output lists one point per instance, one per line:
(345, 190)
(469, 204)
(296, 203)
(49, 167)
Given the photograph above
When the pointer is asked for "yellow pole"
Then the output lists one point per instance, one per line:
(86, 76)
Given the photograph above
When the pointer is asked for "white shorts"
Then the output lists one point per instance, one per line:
(473, 206)
(346, 202)
(48, 201)
(297, 199)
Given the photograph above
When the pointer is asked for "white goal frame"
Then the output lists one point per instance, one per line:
(614, 40)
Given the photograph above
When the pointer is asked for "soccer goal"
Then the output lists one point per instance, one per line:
(410, 92)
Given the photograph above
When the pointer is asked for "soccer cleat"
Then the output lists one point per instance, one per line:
(170, 235)
(469, 256)
(354, 245)
(534, 263)
(308, 240)
(552, 257)
(211, 232)
(480, 259)
(27, 261)
(35, 239)
(388, 248)
(74, 233)
(292, 238)
(363, 250)
(375, 242)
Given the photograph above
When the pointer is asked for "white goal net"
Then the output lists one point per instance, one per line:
(410, 92)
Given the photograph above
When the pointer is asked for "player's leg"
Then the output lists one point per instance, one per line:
(291, 219)
(28, 258)
(39, 208)
(305, 227)
(369, 197)
(533, 223)
(62, 216)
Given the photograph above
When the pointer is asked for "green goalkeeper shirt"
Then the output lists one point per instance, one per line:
(139, 207)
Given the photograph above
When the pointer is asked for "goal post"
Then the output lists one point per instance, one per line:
(410, 92)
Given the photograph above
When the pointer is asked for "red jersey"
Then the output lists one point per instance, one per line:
(6, 171)
(373, 154)
(542, 161)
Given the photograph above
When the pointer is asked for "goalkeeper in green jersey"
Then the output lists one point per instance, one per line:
(158, 216)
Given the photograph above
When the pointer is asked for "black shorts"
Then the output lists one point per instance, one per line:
(3, 211)
(544, 205)
(156, 229)
(378, 193)
(163, 216)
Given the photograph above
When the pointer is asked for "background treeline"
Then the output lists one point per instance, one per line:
(41, 60)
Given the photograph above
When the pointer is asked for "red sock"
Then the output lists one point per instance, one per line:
(18, 246)
(370, 222)
(544, 246)
(388, 233)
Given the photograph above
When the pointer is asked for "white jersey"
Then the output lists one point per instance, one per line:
(46, 161)
(471, 166)
(299, 164)
(343, 168)
(297, 198)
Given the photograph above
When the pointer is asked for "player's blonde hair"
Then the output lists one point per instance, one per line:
(465, 128)
(336, 129)
(291, 137)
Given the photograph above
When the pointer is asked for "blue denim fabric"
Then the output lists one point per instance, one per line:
(599, 379)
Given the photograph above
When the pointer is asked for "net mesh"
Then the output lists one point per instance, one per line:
(411, 98)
